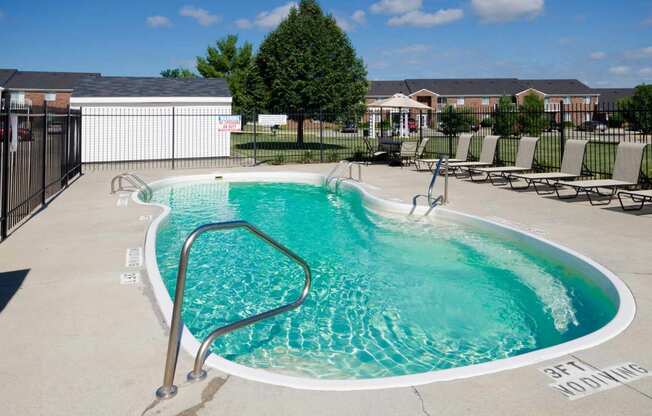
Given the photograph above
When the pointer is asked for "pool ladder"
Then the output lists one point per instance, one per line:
(432, 200)
(168, 389)
(135, 181)
(336, 173)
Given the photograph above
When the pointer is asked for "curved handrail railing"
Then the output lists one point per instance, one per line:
(134, 180)
(168, 389)
(432, 201)
(335, 175)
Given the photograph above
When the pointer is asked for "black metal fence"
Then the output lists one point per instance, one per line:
(40, 153)
(176, 138)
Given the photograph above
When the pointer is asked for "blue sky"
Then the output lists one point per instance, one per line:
(603, 43)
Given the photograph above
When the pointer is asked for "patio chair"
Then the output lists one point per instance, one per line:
(524, 162)
(371, 151)
(461, 154)
(571, 169)
(638, 197)
(626, 174)
(408, 152)
(487, 156)
(413, 157)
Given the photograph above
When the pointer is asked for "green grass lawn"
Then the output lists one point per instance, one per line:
(283, 148)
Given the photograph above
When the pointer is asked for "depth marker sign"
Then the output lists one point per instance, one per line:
(574, 379)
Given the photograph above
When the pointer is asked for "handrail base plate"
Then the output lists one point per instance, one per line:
(165, 393)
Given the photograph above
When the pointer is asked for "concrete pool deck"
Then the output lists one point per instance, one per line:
(76, 341)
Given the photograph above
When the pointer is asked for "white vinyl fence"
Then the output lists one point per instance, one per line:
(116, 133)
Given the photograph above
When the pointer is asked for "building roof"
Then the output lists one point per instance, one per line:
(478, 87)
(47, 81)
(557, 86)
(610, 96)
(486, 86)
(387, 88)
(5, 74)
(151, 87)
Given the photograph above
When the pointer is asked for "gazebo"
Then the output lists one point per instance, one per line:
(404, 104)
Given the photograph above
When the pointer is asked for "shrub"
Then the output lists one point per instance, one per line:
(487, 122)
(307, 157)
(279, 159)
(332, 156)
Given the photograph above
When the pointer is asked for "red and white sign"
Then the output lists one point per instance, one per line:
(229, 123)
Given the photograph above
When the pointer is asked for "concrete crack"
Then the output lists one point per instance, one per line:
(423, 406)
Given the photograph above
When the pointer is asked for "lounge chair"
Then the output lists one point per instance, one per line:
(524, 161)
(626, 174)
(571, 169)
(639, 197)
(487, 156)
(461, 154)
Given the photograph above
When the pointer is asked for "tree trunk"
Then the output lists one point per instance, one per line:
(300, 129)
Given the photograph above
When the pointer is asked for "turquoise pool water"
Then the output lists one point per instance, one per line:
(391, 296)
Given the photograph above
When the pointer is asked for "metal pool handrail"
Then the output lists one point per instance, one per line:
(168, 389)
(136, 181)
(432, 202)
(334, 174)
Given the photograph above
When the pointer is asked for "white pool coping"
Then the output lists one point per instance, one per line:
(614, 287)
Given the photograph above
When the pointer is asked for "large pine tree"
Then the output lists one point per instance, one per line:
(308, 64)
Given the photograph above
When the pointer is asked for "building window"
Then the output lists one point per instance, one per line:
(460, 101)
(442, 100)
(18, 97)
(587, 100)
(567, 100)
(485, 100)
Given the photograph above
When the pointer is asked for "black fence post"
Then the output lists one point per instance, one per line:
(321, 136)
(44, 153)
(420, 126)
(5, 169)
(66, 150)
(255, 117)
(562, 130)
(173, 135)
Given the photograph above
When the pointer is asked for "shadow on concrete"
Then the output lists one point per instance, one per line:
(10, 282)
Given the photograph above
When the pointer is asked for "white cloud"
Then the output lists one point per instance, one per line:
(639, 53)
(267, 19)
(244, 23)
(493, 11)
(645, 72)
(359, 16)
(393, 7)
(419, 18)
(344, 23)
(598, 55)
(408, 49)
(647, 22)
(202, 16)
(157, 21)
(619, 70)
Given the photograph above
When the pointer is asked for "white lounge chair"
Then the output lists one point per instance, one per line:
(571, 169)
(461, 154)
(487, 156)
(626, 174)
(411, 151)
(524, 162)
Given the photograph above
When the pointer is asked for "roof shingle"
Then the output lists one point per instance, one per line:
(151, 87)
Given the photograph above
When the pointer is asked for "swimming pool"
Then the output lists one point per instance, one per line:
(396, 300)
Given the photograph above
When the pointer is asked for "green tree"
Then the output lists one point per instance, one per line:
(178, 73)
(532, 117)
(455, 120)
(233, 63)
(639, 109)
(308, 64)
(505, 117)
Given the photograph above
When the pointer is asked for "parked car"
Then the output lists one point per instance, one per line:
(349, 128)
(412, 125)
(592, 126)
(23, 134)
